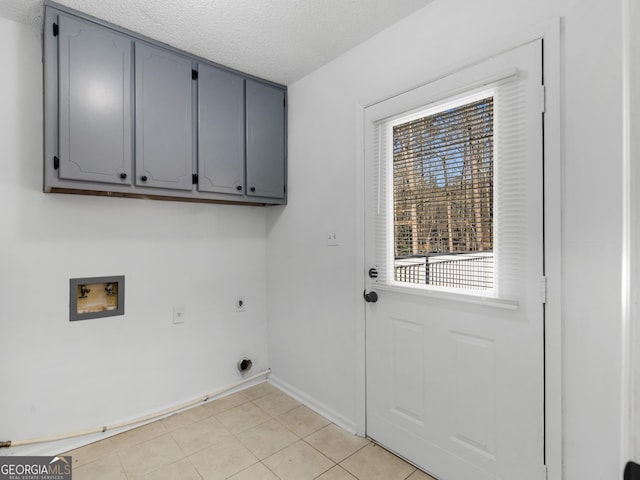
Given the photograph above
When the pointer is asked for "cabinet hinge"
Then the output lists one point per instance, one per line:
(284, 103)
(55, 29)
(543, 98)
(543, 289)
(56, 163)
(194, 178)
(194, 74)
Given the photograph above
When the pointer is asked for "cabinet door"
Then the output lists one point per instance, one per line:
(265, 112)
(95, 106)
(220, 131)
(164, 123)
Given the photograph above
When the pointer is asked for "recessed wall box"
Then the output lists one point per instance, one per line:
(96, 297)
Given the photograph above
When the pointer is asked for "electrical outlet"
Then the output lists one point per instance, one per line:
(240, 304)
(332, 239)
(178, 315)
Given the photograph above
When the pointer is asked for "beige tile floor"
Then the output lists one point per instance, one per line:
(257, 434)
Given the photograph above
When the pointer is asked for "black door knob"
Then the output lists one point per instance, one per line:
(143, 178)
(123, 176)
(371, 297)
(238, 188)
(253, 189)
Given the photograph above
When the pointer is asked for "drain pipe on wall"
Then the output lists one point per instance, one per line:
(89, 431)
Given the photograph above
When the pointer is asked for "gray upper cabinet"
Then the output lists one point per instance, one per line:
(164, 119)
(265, 140)
(127, 116)
(95, 106)
(220, 131)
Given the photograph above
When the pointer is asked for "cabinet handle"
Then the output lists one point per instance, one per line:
(123, 176)
(143, 178)
(253, 189)
(239, 187)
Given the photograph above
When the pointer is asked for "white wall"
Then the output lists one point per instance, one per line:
(60, 376)
(314, 297)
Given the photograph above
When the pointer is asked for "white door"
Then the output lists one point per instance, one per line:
(454, 342)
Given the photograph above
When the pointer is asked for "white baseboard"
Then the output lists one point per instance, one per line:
(61, 446)
(312, 403)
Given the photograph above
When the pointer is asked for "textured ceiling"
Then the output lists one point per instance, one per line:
(280, 40)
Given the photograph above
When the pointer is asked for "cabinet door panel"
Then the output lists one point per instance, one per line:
(265, 140)
(95, 107)
(164, 123)
(221, 131)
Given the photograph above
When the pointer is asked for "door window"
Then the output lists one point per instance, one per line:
(449, 177)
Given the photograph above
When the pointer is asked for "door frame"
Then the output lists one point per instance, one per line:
(550, 32)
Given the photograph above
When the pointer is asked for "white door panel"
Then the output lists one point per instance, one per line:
(455, 380)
